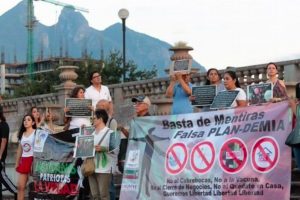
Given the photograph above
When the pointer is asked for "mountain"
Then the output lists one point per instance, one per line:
(73, 33)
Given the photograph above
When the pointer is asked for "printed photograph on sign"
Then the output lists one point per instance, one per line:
(182, 66)
(259, 93)
(87, 130)
(84, 146)
(39, 140)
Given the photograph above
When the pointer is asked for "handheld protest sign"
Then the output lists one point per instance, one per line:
(84, 146)
(259, 93)
(78, 107)
(204, 95)
(182, 66)
(224, 99)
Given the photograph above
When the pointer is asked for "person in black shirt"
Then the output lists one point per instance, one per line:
(4, 135)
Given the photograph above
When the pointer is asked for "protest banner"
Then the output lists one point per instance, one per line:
(229, 154)
(56, 175)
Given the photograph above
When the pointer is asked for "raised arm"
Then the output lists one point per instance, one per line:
(185, 85)
(170, 89)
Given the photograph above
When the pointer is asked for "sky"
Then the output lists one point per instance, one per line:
(222, 32)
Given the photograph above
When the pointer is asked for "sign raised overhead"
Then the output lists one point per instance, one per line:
(182, 66)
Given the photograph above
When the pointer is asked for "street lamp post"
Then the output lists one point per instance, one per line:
(123, 14)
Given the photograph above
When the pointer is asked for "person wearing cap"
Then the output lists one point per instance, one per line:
(142, 104)
(180, 89)
(4, 136)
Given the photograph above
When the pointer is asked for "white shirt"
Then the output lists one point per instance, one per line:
(240, 97)
(77, 122)
(110, 166)
(27, 145)
(92, 93)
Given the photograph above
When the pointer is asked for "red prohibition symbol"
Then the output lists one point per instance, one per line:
(202, 157)
(233, 155)
(265, 154)
(176, 158)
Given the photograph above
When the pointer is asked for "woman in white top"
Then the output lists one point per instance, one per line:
(76, 122)
(24, 156)
(231, 82)
(100, 180)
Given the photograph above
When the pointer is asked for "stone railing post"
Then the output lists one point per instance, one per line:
(180, 52)
(291, 73)
(67, 76)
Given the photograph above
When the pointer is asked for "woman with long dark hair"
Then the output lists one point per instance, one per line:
(213, 77)
(37, 116)
(76, 122)
(231, 83)
(279, 89)
(24, 156)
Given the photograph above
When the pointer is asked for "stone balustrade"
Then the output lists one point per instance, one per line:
(155, 89)
(15, 109)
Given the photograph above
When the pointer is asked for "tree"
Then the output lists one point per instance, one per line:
(41, 84)
(112, 73)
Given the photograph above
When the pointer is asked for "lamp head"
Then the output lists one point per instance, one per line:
(123, 13)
